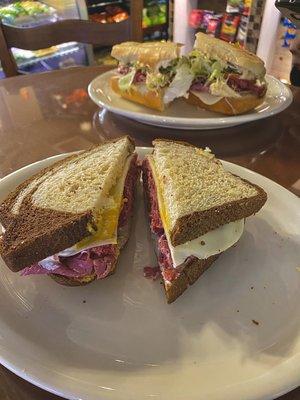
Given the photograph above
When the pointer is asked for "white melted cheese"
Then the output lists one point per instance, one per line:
(206, 98)
(94, 241)
(213, 242)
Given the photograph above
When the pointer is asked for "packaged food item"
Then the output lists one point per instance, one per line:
(242, 31)
(205, 19)
(234, 6)
(247, 7)
(214, 25)
(229, 27)
(195, 18)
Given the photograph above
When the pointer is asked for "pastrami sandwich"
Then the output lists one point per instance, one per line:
(150, 73)
(197, 210)
(227, 79)
(70, 220)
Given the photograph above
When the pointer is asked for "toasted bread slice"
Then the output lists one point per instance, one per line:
(228, 105)
(188, 276)
(52, 214)
(149, 53)
(197, 193)
(149, 98)
(9, 208)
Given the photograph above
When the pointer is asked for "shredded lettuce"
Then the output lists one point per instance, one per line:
(180, 84)
(156, 80)
(126, 81)
(217, 71)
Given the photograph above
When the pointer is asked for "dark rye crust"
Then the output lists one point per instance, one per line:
(6, 214)
(191, 226)
(34, 233)
(190, 274)
(40, 233)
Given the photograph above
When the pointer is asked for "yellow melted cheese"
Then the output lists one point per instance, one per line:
(107, 220)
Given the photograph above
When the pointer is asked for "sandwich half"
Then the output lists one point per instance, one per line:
(150, 74)
(227, 79)
(70, 220)
(197, 210)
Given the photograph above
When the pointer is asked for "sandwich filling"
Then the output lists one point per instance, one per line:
(96, 255)
(173, 77)
(172, 259)
(207, 77)
(214, 78)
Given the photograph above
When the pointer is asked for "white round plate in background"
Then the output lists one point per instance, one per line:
(233, 335)
(180, 114)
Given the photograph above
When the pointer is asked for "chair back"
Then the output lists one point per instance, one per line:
(59, 32)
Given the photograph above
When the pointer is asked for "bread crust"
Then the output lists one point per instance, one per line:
(230, 53)
(152, 98)
(228, 105)
(147, 53)
(39, 234)
(190, 274)
(198, 223)
(72, 282)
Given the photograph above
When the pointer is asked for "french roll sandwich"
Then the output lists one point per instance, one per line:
(151, 74)
(196, 210)
(71, 220)
(227, 79)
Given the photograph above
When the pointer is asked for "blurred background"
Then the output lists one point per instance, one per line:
(255, 24)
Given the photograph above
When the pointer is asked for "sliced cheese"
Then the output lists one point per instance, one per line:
(213, 242)
(206, 98)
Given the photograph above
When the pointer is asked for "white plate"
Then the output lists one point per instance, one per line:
(125, 342)
(180, 115)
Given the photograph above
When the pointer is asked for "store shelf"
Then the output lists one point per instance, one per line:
(103, 4)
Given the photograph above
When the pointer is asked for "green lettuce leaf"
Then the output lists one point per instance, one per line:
(126, 81)
(180, 84)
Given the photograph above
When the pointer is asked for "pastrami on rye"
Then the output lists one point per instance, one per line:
(196, 210)
(70, 220)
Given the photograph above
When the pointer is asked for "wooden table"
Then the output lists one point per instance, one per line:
(47, 114)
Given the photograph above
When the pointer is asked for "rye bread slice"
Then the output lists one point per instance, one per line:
(188, 276)
(194, 223)
(6, 207)
(40, 233)
(197, 224)
(35, 233)
(7, 213)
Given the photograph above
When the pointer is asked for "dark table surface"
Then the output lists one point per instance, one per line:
(43, 115)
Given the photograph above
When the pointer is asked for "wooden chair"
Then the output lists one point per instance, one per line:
(82, 31)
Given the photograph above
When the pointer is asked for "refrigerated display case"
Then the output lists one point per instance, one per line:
(34, 13)
(156, 20)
